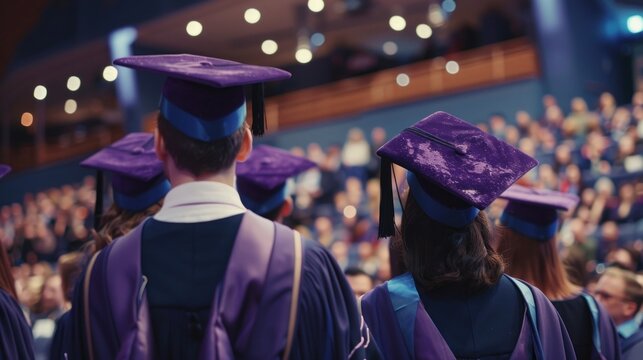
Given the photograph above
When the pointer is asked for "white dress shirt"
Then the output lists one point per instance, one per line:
(200, 201)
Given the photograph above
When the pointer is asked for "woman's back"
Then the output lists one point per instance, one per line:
(481, 325)
(577, 319)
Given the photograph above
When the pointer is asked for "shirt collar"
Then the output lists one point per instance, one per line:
(628, 328)
(200, 201)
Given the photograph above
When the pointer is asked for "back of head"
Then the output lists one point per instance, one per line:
(437, 254)
(536, 262)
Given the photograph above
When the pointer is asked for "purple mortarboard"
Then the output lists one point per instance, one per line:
(262, 179)
(204, 97)
(454, 169)
(534, 212)
(137, 175)
(4, 170)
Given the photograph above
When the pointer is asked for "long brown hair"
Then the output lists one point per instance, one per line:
(438, 255)
(7, 283)
(118, 222)
(536, 262)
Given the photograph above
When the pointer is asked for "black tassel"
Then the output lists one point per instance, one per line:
(387, 216)
(98, 206)
(258, 110)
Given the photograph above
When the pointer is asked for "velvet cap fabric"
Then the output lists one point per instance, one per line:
(204, 97)
(455, 163)
(534, 212)
(262, 178)
(137, 174)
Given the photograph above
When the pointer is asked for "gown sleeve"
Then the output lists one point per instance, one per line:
(16, 341)
(329, 325)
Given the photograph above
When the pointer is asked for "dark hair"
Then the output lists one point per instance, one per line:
(7, 282)
(536, 262)
(199, 157)
(355, 271)
(274, 213)
(436, 254)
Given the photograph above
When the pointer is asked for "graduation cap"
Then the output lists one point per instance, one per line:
(137, 174)
(454, 169)
(262, 180)
(534, 212)
(4, 170)
(204, 97)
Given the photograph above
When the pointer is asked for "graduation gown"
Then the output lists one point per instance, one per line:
(403, 329)
(16, 341)
(590, 328)
(250, 308)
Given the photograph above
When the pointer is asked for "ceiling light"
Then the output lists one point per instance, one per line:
(316, 5)
(252, 16)
(402, 79)
(26, 119)
(40, 92)
(436, 15)
(397, 23)
(317, 39)
(73, 83)
(194, 28)
(448, 5)
(423, 31)
(635, 24)
(452, 67)
(389, 48)
(269, 47)
(70, 106)
(110, 73)
(304, 55)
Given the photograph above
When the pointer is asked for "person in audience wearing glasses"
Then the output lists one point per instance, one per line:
(16, 341)
(528, 243)
(622, 296)
(204, 278)
(455, 302)
(265, 181)
(138, 187)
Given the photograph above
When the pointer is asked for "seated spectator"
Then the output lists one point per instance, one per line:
(604, 195)
(43, 318)
(624, 258)
(606, 109)
(360, 281)
(579, 121)
(356, 155)
(621, 295)
(627, 209)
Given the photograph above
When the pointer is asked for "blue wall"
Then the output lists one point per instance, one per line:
(474, 106)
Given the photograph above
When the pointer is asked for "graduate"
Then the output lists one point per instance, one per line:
(138, 187)
(16, 341)
(455, 301)
(527, 242)
(138, 184)
(265, 183)
(205, 278)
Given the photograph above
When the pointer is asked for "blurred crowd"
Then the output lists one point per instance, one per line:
(596, 153)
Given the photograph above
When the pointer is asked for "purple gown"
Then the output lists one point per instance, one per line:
(250, 310)
(16, 341)
(403, 329)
